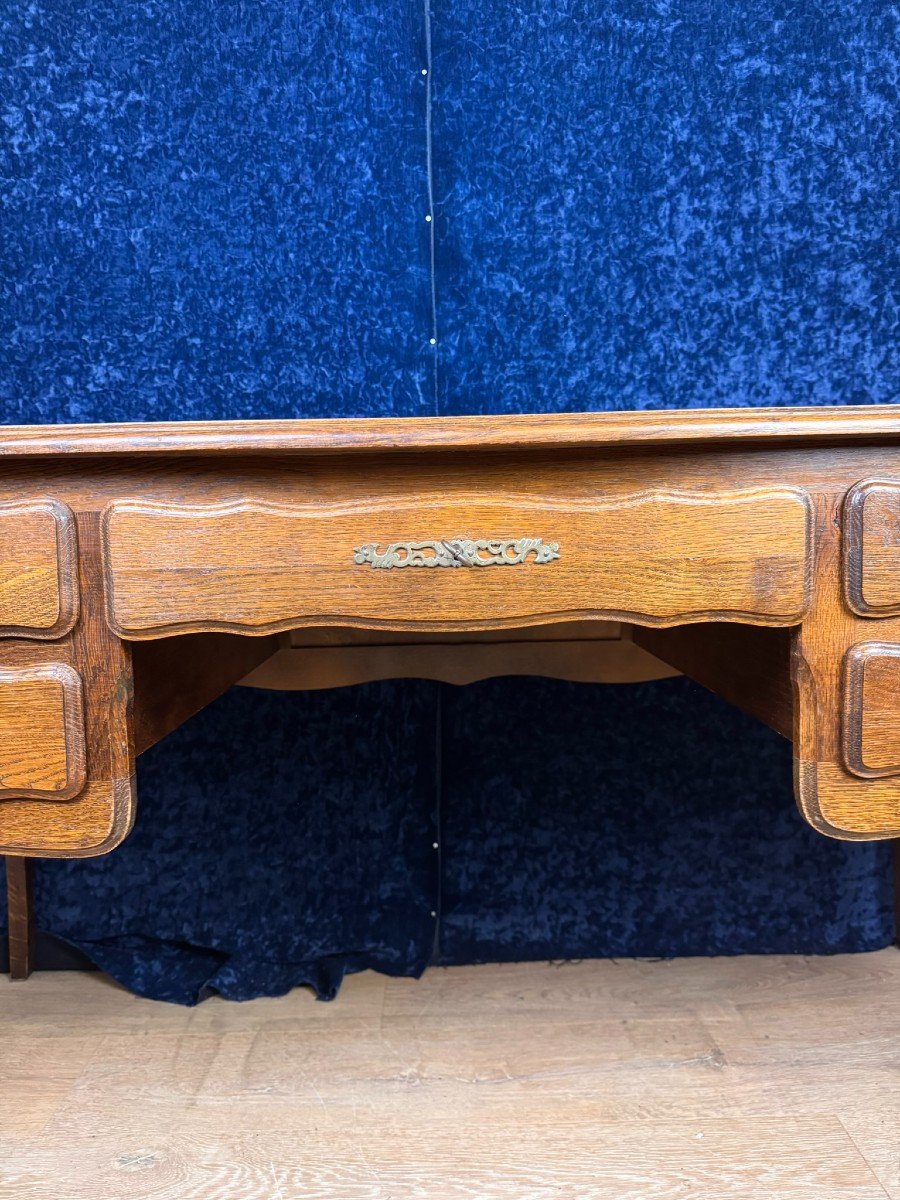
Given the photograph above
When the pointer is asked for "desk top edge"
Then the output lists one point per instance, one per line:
(565, 431)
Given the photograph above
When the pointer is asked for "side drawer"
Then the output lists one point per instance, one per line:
(42, 739)
(872, 548)
(449, 562)
(38, 569)
(872, 710)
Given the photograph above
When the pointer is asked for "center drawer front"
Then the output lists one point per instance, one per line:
(256, 567)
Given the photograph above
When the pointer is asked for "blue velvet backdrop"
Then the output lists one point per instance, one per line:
(215, 209)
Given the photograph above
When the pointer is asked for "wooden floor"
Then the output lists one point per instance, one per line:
(770, 1079)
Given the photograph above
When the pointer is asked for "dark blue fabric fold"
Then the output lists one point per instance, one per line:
(282, 838)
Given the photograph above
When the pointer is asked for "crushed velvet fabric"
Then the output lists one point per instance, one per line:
(217, 209)
(650, 819)
(214, 209)
(283, 838)
(648, 204)
(287, 839)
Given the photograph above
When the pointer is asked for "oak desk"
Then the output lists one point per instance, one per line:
(146, 568)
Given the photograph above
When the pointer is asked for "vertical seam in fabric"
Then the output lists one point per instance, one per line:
(438, 821)
(430, 179)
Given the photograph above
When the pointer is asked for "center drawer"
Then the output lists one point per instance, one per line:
(480, 561)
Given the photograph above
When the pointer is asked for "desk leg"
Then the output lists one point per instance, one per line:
(20, 911)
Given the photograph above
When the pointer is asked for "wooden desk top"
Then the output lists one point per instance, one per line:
(561, 431)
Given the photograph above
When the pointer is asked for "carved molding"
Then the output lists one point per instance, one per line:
(50, 720)
(860, 536)
(548, 433)
(96, 819)
(858, 659)
(657, 558)
(13, 516)
(458, 552)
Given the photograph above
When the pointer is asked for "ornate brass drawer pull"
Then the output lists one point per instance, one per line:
(458, 552)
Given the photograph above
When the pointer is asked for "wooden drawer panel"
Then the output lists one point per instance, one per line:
(38, 588)
(42, 752)
(255, 567)
(872, 548)
(872, 710)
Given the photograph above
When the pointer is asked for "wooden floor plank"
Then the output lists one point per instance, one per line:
(746, 1078)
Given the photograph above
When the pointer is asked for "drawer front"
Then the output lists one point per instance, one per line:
(42, 742)
(872, 548)
(38, 569)
(448, 562)
(872, 710)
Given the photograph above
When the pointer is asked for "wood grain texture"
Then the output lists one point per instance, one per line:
(612, 659)
(42, 739)
(749, 1078)
(254, 567)
(746, 665)
(872, 548)
(175, 678)
(101, 814)
(551, 431)
(872, 710)
(38, 569)
(20, 917)
(833, 799)
(626, 468)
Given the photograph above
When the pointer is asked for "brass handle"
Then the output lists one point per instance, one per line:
(458, 552)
